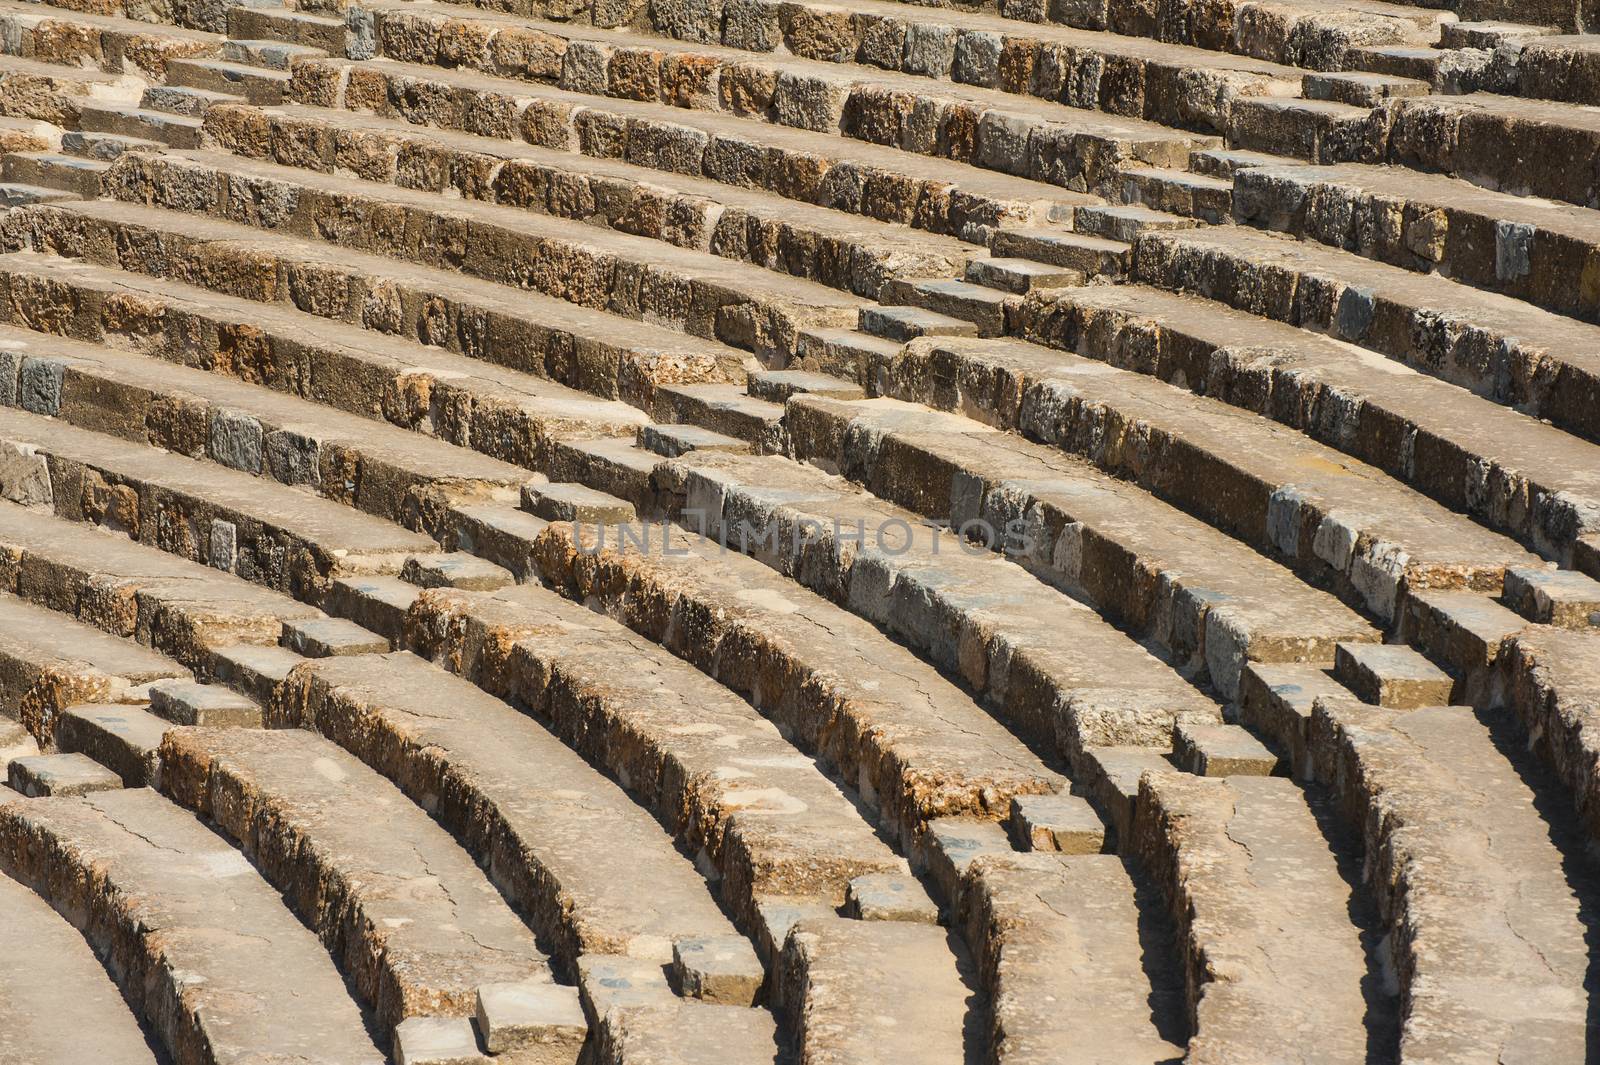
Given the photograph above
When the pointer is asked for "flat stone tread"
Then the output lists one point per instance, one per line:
(1566, 339)
(1280, 964)
(332, 526)
(203, 919)
(511, 302)
(966, 21)
(236, 71)
(878, 992)
(48, 640)
(40, 12)
(889, 236)
(531, 225)
(1514, 109)
(1481, 426)
(60, 968)
(800, 828)
(430, 459)
(1065, 963)
(952, 749)
(1494, 923)
(964, 176)
(1091, 122)
(438, 924)
(1429, 531)
(1214, 564)
(1070, 642)
(394, 355)
(97, 82)
(89, 552)
(1407, 185)
(623, 885)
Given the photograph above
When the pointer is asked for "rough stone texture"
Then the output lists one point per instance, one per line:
(1017, 428)
(415, 923)
(205, 948)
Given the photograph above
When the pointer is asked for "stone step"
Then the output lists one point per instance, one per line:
(205, 705)
(378, 469)
(1060, 822)
(1429, 223)
(907, 323)
(179, 131)
(566, 846)
(776, 386)
(636, 1018)
(1362, 88)
(1439, 438)
(1310, 35)
(1465, 634)
(251, 83)
(284, 538)
(904, 725)
(1467, 136)
(927, 591)
(1391, 676)
(69, 173)
(722, 408)
(780, 827)
(1228, 467)
(1223, 164)
(984, 307)
(721, 294)
(1554, 689)
(60, 775)
(1554, 597)
(1278, 699)
(455, 569)
(288, 26)
(844, 251)
(1396, 312)
(104, 146)
(1059, 941)
(411, 385)
(13, 194)
(25, 134)
(1322, 131)
(869, 104)
(268, 53)
(1242, 861)
(1489, 34)
(1211, 608)
(1221, 751)
(406, 911)
(376, 603)
(123, 862)
(99, 39)
(1200, 196)
(1089, 255)
(1450, 71)
(674, 440)
(838, 979)
(61, 968)
(1517, 908)
(326, 637)
(184, 99)
(1124, 224)
(1020, 276)
(1546, 66)
(124, 739)
(58, 94)
(967, 47)
(929, 192)
(572, 502)
(182, 609)
(49, 661)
